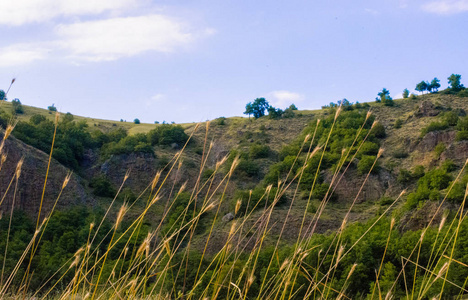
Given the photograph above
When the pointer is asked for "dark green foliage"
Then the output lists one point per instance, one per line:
(257, 108)
(102, 187)
(379, 131)
(455, 83)
(2, 95)
(434, 85)
(136, 121)
(168, 134)
(17, 108)
(451, 118)
(369, 148)
(418, 172)
(439, 149)
(461, 136)
(422, 86)
(400, 153)
(128, 144)
(220, 121)
(52, 108)
(398, 123)
(259, 151)
(462, 124)
(384, 97)
(434, 126)
(429, 187)
(70, 143)
(405, 93)
(405, 176)
(275, 113)
(365, 164)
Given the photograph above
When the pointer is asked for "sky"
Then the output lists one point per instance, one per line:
(189, 61)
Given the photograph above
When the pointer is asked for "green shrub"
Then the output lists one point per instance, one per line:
(451, 118)
(259, 151)
(102, 187)
(461, 135)
(167, 134)
(418, 171)
(136, 121)
(434, 126)
(404, 176)
(400, 153)
(365, 164)
(17, 108)
(379, 131)
(220, 121)
(398, 123)
(439, 149)
(52, 108)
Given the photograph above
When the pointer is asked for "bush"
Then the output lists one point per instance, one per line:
(405, 176)
(166, 134)
(451, 118)
(400, 153)
(461, 135)
(102, 187)
(379, 131)
(439, 149)
(259, 151)
(434, 126)
(220, 121)
(136, 121)
(52, 108)
(365, 164)
(17, 108)
(398, 123)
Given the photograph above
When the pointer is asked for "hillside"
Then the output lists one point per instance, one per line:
(424, 141)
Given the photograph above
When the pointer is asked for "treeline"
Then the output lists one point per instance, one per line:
(73, 138)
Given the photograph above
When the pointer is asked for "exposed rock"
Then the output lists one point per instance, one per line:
(431, 139)
(426, 109)
(458, 152)
(419, 218)
(31, 181)
(228, 217)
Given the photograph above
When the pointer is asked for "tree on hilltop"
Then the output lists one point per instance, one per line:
(384, 97)
(257, 108)
(434, 85)
(405, 93)
(2, 95)
(421, 87)
(454, 82)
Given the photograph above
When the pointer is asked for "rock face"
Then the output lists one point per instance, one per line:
(431, 139)
(426, 109)
(30, 183)
(456, 151)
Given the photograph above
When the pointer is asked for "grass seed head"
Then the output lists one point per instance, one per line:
(123, 209)
(66, 180)
(442, 221)
(353, 267)
(381, 151)
(3, 158)
(18, 167)
(238, 205)
(155, 180)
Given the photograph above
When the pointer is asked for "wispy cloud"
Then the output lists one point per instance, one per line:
(283, 99)
(115, 38)
(446, 7)
(371, 11)
(21, 54)
(22, 12)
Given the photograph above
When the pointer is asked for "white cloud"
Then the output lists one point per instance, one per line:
(22, 12)
(283, 99)
(114, 38)
(21, 54)
(156, 99)
(371, 11)
(446, 7)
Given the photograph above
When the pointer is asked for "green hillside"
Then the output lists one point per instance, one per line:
(314, 204)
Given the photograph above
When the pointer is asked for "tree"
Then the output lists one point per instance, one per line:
(52, 108)
(405, 93)
(2, 95)
(257, 107)
(136, 121)
(434, 85)
(384, 97)
(454, 82)
(421, 87)
(17, 107)
(275, 113)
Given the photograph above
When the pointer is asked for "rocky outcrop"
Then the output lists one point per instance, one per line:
(26, 192)
(426, 109)
(431, 139)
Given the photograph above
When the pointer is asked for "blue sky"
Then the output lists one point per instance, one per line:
(189, 61)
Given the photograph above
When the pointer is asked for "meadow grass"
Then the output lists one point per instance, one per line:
(161, 264)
